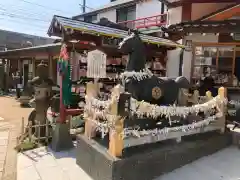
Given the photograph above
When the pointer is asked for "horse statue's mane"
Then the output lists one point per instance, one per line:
(135, 48)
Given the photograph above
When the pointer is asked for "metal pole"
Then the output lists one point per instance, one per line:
(84, 6)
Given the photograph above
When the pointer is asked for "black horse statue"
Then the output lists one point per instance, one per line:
(152, 89)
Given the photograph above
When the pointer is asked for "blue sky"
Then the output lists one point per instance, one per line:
(34, 16)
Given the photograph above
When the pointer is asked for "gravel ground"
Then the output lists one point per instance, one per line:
(11, 114)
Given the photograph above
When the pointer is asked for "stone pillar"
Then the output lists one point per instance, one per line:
(187, 64)
(173, 60)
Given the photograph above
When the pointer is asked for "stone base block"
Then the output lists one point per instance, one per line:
(146, 162)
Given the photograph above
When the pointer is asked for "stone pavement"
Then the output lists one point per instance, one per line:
(44, 164)
(4, 136)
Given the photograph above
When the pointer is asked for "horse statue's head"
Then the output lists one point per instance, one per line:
(135, 48)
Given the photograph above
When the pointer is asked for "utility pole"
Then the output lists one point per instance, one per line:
(84, 6)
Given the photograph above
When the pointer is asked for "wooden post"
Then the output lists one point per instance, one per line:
(208, 98)
(92, 90)
(39, 127)
(222, 120)
(209, 95)
(47, 131)
(116, 143)
(22, 127)
(30, 131)
(195, 97)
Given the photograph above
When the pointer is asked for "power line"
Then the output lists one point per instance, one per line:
(25, 24)
(12, 15)
(24, 21)
(24, 9)
(4, 8)
(47, 7)
(86, 7)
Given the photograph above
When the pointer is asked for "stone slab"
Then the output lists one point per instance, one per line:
(145, 163)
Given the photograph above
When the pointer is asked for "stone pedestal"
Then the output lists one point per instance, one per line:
(145, 163)
(236, 137)
(61, 139)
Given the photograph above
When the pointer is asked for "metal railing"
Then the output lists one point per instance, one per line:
(146, 22)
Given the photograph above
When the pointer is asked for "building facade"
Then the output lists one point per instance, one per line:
(149, 16)
(212, 26)
(145, 15)
(13, 40)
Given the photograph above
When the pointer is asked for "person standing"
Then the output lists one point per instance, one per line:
(17, 83)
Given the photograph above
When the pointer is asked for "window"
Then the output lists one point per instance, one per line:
(126, 14)
(91, 18)
(163, 11)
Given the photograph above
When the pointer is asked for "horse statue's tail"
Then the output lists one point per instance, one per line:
(182, 82)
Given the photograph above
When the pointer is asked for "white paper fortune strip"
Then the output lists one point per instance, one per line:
(96, 64)
(104, 128)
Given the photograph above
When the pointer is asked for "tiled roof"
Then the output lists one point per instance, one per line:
(95, 29)
(24, 51)
(224, 26)
(34, 47)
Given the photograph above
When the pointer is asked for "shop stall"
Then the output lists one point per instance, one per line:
(213, 52)
(219, 60)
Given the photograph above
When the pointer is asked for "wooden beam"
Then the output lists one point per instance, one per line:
(210, 29)
(227, 14)
(186, 11)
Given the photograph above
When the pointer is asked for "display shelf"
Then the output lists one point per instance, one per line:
(214, 60)
(114, 67)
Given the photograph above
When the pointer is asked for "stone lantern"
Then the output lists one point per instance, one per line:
(42, 85)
